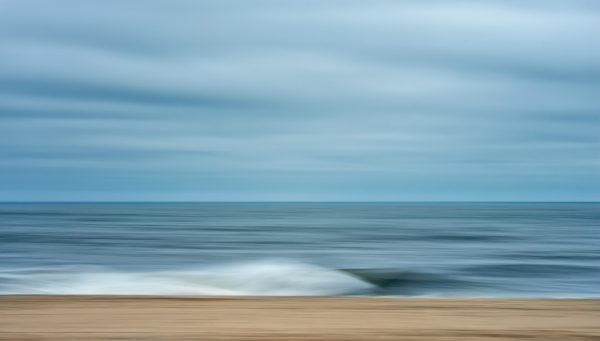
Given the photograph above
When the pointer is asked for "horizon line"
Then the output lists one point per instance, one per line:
(292, 201)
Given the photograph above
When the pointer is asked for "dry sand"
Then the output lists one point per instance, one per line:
(69, 318)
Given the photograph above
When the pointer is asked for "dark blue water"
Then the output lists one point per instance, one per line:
(442, 249)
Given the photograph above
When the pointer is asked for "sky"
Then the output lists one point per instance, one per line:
(299, 100)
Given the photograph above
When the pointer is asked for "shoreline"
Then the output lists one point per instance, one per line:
(206, 318)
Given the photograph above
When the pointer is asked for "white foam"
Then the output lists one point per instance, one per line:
(262, 278)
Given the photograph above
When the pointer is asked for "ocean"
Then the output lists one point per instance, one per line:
(315, 249)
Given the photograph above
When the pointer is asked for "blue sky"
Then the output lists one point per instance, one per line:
(299, 100)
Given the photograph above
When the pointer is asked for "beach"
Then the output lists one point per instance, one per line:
(56, 317)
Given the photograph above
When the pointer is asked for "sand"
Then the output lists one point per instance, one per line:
(69, 318)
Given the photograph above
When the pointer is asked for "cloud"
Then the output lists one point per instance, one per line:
(237, 100)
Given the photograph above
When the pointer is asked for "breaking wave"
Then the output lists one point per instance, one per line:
(261, 278)
(266, 278)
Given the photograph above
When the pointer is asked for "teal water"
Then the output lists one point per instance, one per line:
(414, 249)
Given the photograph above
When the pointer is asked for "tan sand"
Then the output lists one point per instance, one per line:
(69, 318)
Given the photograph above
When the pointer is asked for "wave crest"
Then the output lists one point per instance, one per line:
(254, 279)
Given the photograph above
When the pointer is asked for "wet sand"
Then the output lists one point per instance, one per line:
(70, 318)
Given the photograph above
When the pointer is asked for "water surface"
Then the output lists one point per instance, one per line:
(441, 249)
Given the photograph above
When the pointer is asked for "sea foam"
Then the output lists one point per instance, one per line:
(259, 278)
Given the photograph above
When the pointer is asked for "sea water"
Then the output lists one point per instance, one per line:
(391, 249)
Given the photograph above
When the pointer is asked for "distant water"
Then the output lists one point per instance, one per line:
(414, 249)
